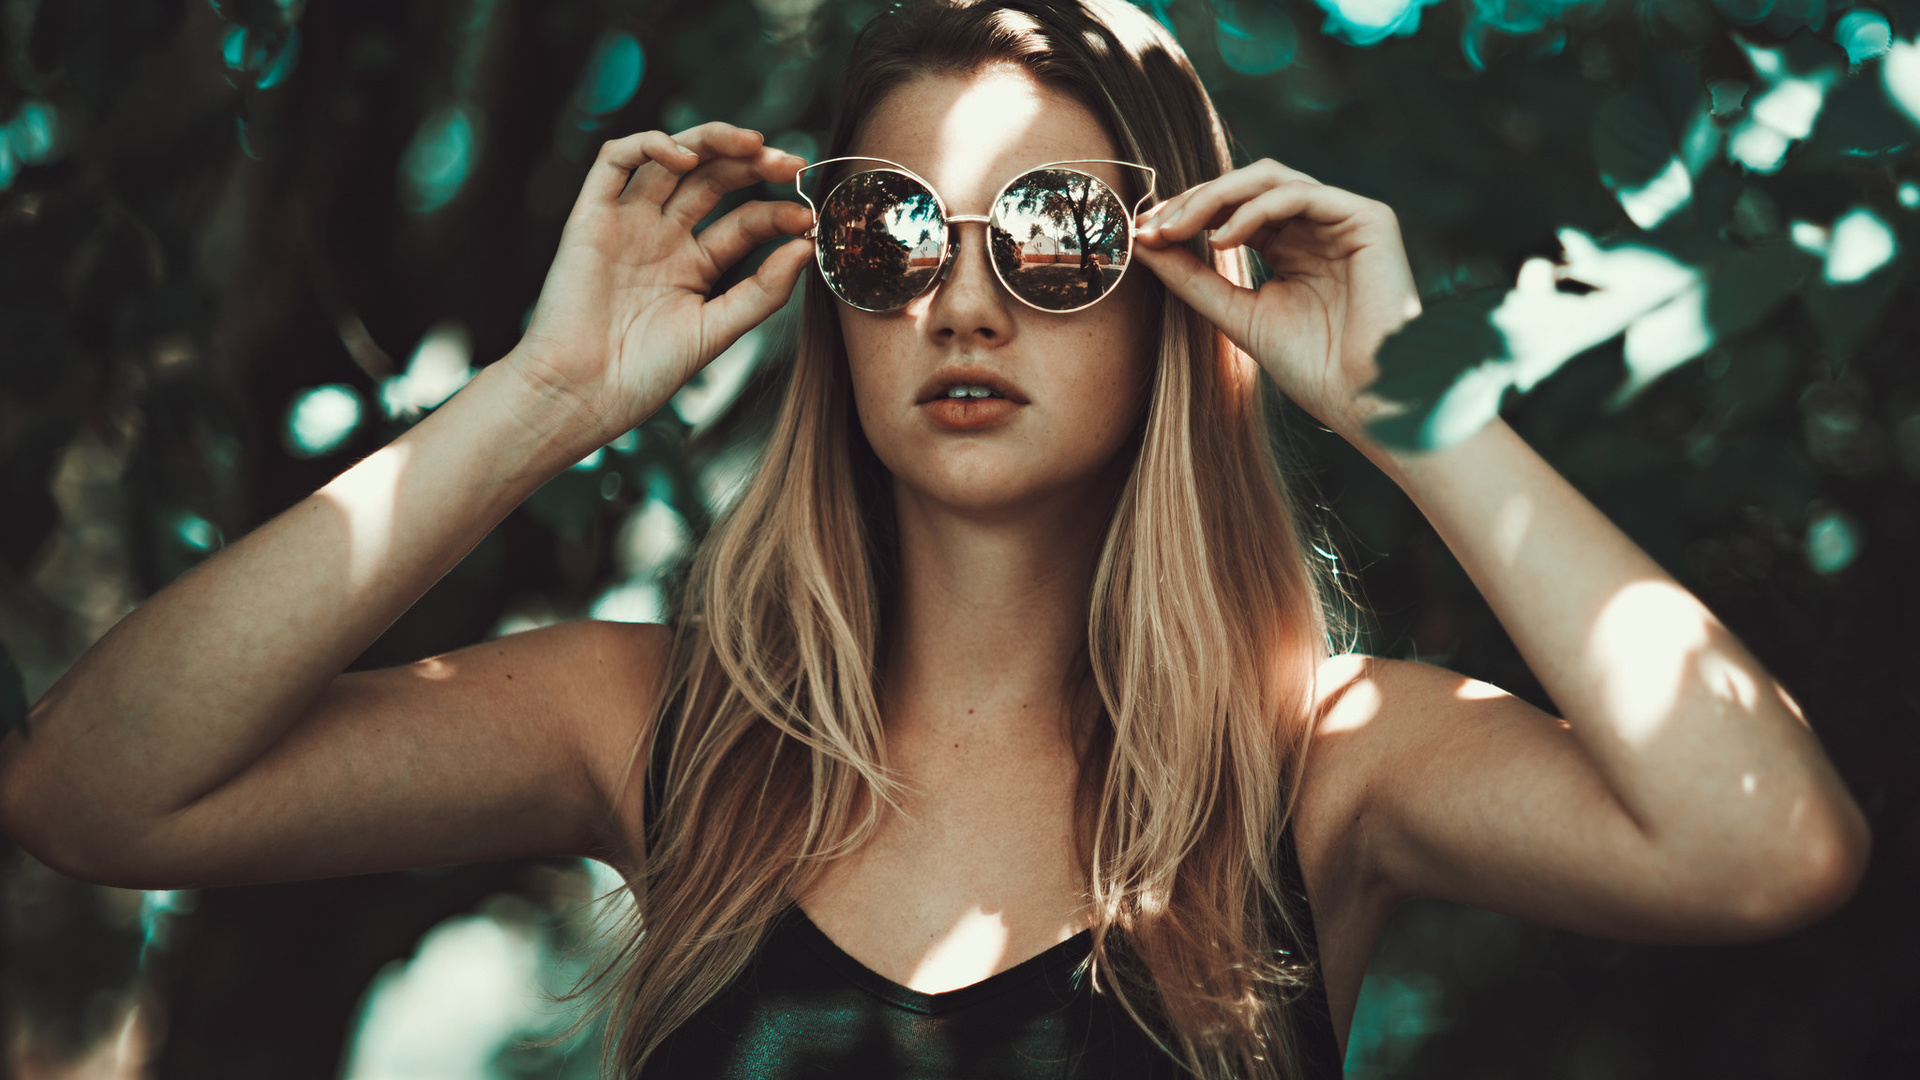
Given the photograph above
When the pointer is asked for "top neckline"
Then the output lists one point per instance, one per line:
(1064, 954)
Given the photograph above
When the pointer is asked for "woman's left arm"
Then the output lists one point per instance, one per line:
(1683, 797)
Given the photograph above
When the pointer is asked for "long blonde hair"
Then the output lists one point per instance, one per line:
(1204, 630)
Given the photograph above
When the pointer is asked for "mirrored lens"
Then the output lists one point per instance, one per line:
(1060, 238)
(881, 239)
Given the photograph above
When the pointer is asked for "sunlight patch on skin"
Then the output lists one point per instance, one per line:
(1510, 524)
(1652, 629)
(1748, 783)
(436, 669)
(365, 496)
(1475, 690)
(969, 952)
(1728, 681)
(973, 133)
(1356, 707)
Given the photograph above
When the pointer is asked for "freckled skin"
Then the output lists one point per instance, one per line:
(1084, 374)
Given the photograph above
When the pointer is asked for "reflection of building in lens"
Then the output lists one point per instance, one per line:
(926, 253)
(1039, 247)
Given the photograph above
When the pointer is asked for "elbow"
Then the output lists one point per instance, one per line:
(1814, 871)
(65, 836)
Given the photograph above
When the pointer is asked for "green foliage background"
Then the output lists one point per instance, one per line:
(209, 209)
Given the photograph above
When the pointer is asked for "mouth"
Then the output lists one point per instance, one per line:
(968, 382)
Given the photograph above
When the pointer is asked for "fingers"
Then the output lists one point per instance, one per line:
(749, 303)
(1315, 202)
(655, 179)
(1204, 289)
(1212, 204)
(699, 191)
(619, 159)
(749, 225)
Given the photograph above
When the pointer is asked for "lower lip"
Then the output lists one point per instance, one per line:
(969, 414)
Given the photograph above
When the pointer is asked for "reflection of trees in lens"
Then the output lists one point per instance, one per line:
(1006, 251)
(883, 239)
(1076, 250)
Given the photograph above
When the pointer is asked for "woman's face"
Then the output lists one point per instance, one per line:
(1078, 380)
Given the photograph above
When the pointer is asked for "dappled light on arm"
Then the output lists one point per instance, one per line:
(367, 499)
(1510, 525)
(435, 669)
(1652, 629)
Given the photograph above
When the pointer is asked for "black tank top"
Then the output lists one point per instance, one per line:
(805, 1008)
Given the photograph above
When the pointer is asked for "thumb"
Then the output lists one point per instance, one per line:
(1202, 287)
(752, 300)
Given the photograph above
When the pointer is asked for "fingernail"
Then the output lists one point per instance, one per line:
(682, 149)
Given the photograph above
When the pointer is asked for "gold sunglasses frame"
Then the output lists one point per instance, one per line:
(948, 241)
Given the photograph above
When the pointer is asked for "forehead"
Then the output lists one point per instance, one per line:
(968, 134)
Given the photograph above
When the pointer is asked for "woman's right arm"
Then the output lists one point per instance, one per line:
(211, 738)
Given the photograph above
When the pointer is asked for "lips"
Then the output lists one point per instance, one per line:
(970, 414)
(935, 388)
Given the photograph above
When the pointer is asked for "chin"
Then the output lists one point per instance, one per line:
(986, 488)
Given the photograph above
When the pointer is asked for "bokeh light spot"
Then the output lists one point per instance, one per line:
(1900, 73)
(613, 73)
(34, 133)
(1864, 33)
(1833, 542)
(467, 991)
(1653, 202)
(1254, 38)
(633, 601)
(1909, 195)
(1861, 243)
(438, 160)
(439, 367)
(711, 389)
(1370, 22)
(196, 532)
(321, 419)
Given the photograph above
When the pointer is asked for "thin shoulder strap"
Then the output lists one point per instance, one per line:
(654, 794)
(1313, 1021)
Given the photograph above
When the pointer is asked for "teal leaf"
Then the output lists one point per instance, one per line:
(1422, 363)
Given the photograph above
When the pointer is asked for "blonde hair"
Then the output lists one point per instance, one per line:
(1204, 631)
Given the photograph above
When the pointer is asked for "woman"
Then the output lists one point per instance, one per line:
(998, 732)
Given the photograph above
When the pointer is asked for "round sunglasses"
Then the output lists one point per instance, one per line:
(1060, 238)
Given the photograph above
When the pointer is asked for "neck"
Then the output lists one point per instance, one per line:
(989, 619)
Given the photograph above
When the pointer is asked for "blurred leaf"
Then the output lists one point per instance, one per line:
(1859, 122)
(1427, 358)
(1744, 285)
(1845, 314)
(1631, 143)
(1751, 377)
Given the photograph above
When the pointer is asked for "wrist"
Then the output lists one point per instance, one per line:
(564, 423)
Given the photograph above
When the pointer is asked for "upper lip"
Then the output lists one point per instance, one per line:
(968, 375)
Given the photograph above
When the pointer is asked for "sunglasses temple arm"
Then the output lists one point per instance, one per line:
(1153, 177)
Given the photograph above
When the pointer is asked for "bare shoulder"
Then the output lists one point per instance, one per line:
(1380, 724)
(626, 664)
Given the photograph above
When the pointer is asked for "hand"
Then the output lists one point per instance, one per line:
(624, 318)
(1340, 282)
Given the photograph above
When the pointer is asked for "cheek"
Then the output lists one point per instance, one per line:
(870, 344)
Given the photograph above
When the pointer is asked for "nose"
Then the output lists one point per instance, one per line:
(967, 306)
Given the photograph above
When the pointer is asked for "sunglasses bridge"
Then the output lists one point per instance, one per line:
(1100, 276)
